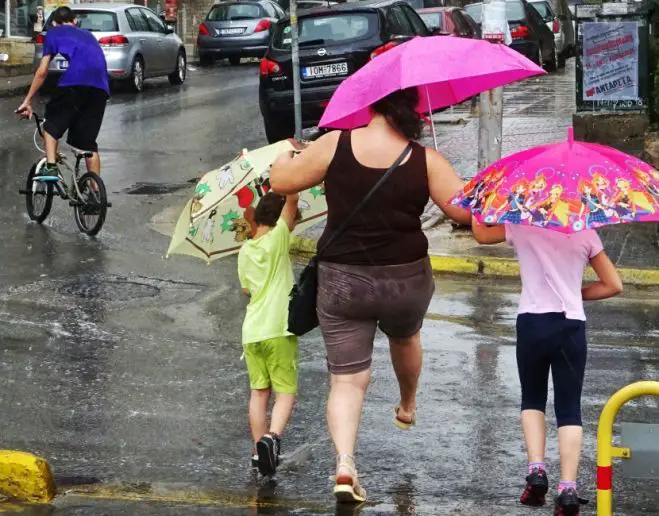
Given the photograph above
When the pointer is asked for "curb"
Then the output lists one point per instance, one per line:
(485, 266)
(26, 478)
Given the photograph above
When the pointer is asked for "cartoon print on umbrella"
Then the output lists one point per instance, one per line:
(200, 191)
(645, 180)
(514, 204)
(536, 189)
(225, 176)
(602, 188)
(207, 235)
(552, 209)
(591, 206)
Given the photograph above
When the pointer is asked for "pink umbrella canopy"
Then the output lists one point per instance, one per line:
(567, 187)
(450, 70)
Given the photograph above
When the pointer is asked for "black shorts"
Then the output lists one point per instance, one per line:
(80, 110)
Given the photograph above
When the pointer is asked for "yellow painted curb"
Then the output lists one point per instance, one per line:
(25, 477)
(489, 266)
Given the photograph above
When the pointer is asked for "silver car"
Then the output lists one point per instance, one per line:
(237, 29)
(559, 21)
(136, 43)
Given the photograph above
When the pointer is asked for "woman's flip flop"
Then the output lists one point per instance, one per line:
(347, 488)
(402, 424)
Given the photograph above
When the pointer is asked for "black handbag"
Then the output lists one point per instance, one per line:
(302, 316)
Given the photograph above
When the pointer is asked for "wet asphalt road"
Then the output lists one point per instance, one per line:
(119, 366)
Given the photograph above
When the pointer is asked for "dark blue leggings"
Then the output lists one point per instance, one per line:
(547, 341)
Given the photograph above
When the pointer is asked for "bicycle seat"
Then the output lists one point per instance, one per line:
(81, 153)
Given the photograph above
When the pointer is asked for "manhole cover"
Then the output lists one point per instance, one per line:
(109, 289)
(155, 188)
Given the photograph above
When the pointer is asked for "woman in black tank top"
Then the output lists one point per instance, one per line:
(377, 273)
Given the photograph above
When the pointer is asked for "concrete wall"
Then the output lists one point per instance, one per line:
(21, 56)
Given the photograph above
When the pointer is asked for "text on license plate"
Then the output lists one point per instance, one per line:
(328, 70)
(62, 65)
(230, 32)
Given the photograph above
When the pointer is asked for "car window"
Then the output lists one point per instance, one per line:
(328, 30)
(544, 10)
(234, 12)
(515, 10)
(154, 23)
(136, 21)
(415, 4)
(397, 22)
(433, 21)
(280, 12)
(93, 21)
(475, 11)
(417, 23)
(461, 24)
(534, 15)
(474, 26)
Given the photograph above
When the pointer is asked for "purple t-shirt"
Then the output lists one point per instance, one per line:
(87, 65)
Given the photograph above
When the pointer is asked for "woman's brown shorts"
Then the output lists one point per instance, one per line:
(353, 300)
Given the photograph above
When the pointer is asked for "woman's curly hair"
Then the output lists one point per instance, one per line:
(400, 110)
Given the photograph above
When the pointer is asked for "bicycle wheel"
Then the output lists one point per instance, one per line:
(92, 206)
(38, 197)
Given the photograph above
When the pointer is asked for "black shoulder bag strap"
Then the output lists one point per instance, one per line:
(365, 200)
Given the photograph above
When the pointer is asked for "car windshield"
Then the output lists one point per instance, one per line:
(514, 11)
(93, 21)
(234, 12)
(328, 30)
(544, 10)
(433, 21)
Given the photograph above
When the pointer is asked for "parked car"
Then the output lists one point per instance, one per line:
(530, 35)
(136, 43)
(334, 43)
(561, 27)
(310, 4)
(452, 21)
(237, 29)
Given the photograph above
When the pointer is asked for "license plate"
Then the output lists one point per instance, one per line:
(62, 65)
(328, 70)
(230, 32)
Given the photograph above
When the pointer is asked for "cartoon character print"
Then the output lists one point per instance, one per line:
(225, 176)
(485, 195)
(245, 227)
(623, 202)
(200, 192)
(547, 208)
(591, 206)
(207, 235)
(514, 204)
(602, 186)
(536, 188)
(652, 187)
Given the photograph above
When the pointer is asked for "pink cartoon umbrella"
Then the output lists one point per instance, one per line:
(567, 187)
(449, 70)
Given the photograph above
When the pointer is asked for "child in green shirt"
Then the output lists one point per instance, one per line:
(271, 352)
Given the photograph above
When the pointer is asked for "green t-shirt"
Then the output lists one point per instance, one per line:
(264, 269)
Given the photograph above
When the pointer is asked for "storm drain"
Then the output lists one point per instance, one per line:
(107, 288)
(156, 188)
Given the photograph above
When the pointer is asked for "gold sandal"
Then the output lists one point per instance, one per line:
(347, 488)
(404, 425)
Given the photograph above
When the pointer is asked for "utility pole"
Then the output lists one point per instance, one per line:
(295, 58)
(490, 129)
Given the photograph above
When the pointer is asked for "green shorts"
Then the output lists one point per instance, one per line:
(272, 364)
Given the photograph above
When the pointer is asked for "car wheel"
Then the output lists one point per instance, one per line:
(235, 61)
(206, 60)
(275, 131)
(179, 75)
(562, 58)
(552, 64)
(538, 60)
(136, 80)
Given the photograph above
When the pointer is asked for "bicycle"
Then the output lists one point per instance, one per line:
(86, 194)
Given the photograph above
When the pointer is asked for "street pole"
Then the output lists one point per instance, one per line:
(295, 55)
(490, 129)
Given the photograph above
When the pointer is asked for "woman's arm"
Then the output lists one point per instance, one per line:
(290, 175)
(488, 234)
(444, 183)
(609, 284)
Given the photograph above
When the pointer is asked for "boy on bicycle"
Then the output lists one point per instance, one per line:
(78, 103)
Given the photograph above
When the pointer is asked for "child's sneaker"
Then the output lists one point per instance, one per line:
(268, 449)
(567, 503)
(255, 459)
(537, 486)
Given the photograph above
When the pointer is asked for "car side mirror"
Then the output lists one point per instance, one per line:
(169, 29)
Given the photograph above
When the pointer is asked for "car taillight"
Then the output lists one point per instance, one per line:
(521, 31)
(203, 30)
(113, 41)
(39, 39)
(262, 25)
(556, 26)
(381, 50)
(268, 67)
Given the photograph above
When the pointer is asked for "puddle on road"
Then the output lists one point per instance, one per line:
(157, 188)
(107, 289)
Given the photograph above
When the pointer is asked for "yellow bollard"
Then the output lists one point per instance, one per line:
(605, 449)
(25, 477)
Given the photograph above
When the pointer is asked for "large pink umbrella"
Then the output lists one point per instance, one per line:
(568, 187)
(449, 70)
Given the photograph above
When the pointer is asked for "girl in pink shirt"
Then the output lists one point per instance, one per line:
(551, 334)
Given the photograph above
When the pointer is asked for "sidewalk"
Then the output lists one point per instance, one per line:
(14, 86)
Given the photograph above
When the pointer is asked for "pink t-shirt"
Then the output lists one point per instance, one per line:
(552, 265)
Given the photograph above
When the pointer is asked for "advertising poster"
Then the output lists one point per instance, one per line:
(610, 61)
(170, 10)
